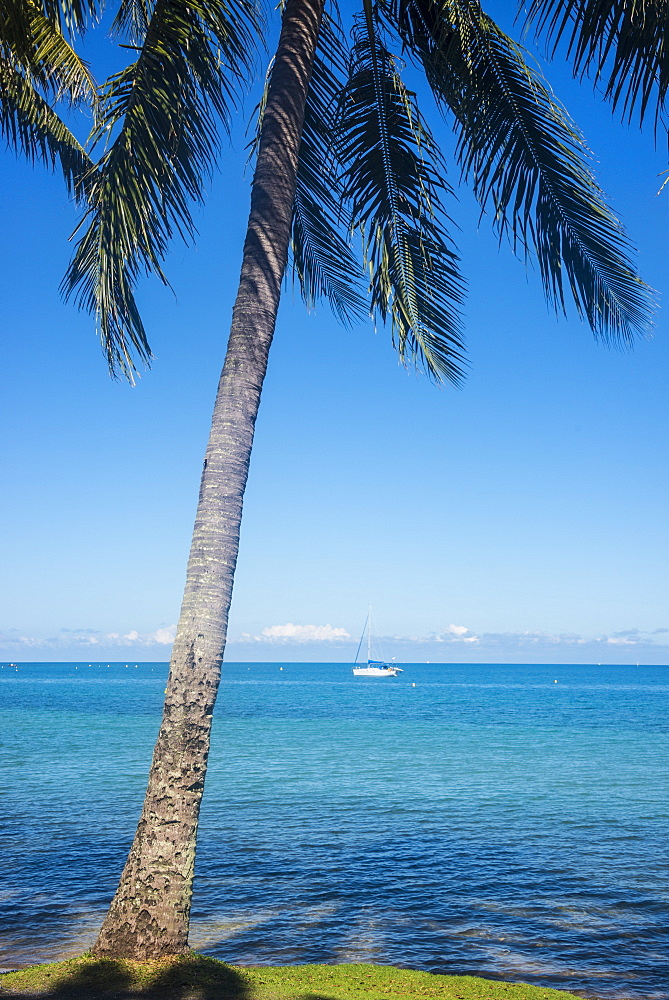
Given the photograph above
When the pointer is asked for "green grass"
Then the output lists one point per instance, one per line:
(195, 976)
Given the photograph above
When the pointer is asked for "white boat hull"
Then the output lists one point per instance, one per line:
(376, 666)
(377, 671)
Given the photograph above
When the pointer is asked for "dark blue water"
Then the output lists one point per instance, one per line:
(486, 821)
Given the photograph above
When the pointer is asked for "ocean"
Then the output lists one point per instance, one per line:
(494, 820)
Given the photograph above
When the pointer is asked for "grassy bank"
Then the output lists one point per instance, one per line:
(201, 978)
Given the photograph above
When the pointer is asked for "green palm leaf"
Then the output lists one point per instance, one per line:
(160, 115)
(66, 17)
(623, 45)
(54, 64)
(132, 20)
(394, 183)
(322, 257)
(74, 16)
(31, 126)
(39, 68)
(528, 163)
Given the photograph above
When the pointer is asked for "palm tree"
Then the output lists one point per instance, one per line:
(343, 154)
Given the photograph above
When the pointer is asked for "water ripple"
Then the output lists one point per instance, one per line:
(486, 821)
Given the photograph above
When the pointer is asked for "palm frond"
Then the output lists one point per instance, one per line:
(67, 16)
(622, 44)
(73, 16)
(39, 68)
(34, 44)
(322, 257)
(132, 20)
(528, 163)
(57, 66)
(395, 184)
(29, 125)
(160, 116)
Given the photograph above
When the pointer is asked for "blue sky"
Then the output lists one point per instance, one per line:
(522, 518)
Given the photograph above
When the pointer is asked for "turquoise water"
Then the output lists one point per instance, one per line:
(486, 821)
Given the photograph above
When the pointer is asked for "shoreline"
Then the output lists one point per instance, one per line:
(198, 977)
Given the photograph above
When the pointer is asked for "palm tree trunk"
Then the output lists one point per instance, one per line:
(149, 914)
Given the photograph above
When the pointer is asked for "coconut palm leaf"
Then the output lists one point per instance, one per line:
(159, 116)
(39, 68)
(528, 163)
(622, 44)
(56, 65)
(34, 41)
(394, 184)
(75, 16)
(132, 20)
(29, 124)
(322, 257)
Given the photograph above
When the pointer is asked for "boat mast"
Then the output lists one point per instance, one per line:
(362, 636)
(369, 633)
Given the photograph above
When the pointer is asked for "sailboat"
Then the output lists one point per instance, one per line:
(374, 668)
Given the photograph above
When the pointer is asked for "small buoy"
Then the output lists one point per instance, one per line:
(554, 682)
(280, 668)
(413, 685)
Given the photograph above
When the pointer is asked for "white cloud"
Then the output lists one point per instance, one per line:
(164, 636)
(88, 639)
(450, 634)
(298, 633)
(452, 642)
(529, 639)
(455, 635)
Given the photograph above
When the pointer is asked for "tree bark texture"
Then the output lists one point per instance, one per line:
(149, 914)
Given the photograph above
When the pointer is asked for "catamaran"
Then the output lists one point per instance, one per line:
(374, 667)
